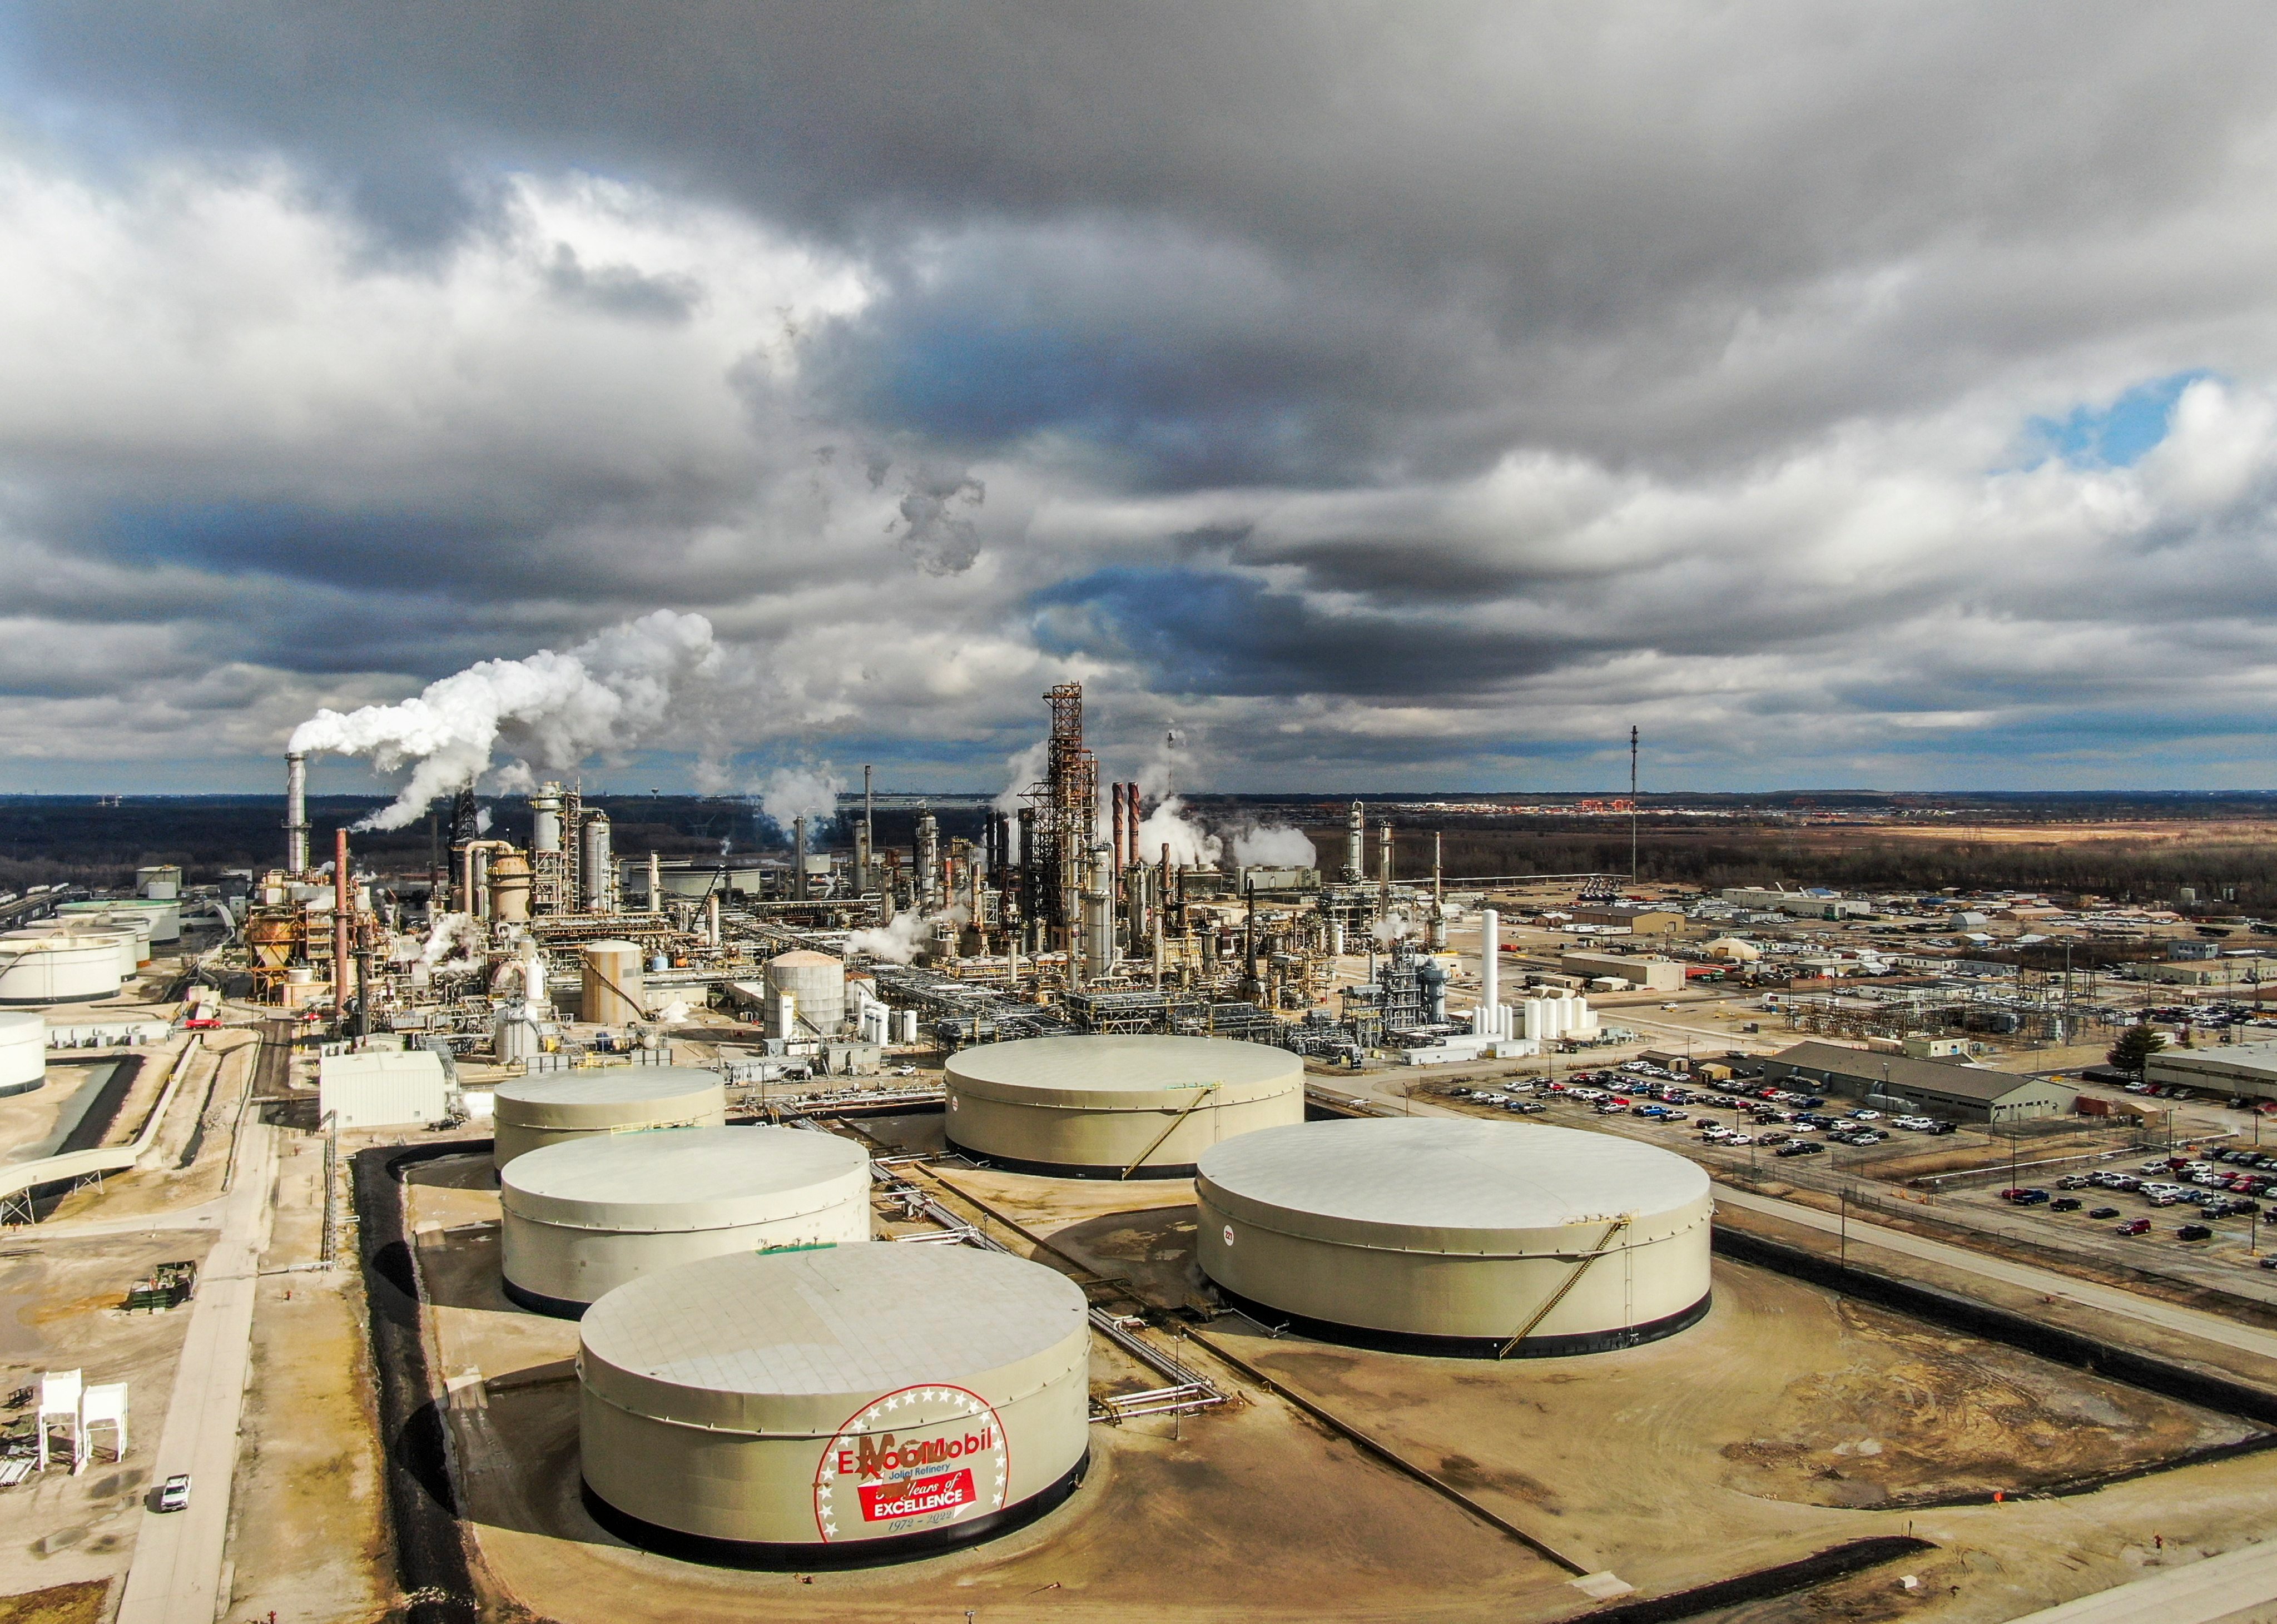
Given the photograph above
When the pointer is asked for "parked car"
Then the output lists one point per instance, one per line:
(2135, 1226)
(2104, 1212)
(175, 1495)
(2194, 1231)
(2072, 1181)
(1801, 1148)
(2068, 1203)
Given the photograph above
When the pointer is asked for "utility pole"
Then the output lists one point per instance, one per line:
(1633, 804)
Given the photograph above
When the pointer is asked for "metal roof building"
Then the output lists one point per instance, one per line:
(1931, 1087)
(583, 1216)
(382, 1089)
(2233, 1069)
(854, 1403)
(1458, 1236)
(1110, 1107)
(533, 1112)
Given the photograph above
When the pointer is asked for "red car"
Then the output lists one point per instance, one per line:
(2135, 1226)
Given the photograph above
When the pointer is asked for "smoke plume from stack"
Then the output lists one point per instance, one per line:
(549, 711)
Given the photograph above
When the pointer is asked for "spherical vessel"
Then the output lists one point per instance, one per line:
(612, 983)
(533, 1112)
(849, 1404)
(1100, 1106)
(816, 983)
(1457, 1236)
(58, 968)
(23, 1050)
(583, 1217)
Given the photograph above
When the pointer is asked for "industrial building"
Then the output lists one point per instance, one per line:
(551, 1109)
(1799, 904)
(862, 1402)
(1659, 975)
(1483, 1238)
(382, 1089)
(1931, 1087)
(2236, 1069)
(583, 1216)
(1134, 1106)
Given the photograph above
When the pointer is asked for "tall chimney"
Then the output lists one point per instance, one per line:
(1116, 862)
(343, 903)
(296, 813)
(798, 859)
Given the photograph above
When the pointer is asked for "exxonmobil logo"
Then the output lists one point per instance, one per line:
(912, 1460)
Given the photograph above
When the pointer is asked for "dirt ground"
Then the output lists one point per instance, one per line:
(63, 1312)
(308, 1523)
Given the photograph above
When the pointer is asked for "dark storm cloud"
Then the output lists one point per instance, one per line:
(1364, 380)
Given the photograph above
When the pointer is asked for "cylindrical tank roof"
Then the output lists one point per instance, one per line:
(1445, 1185)
(805, 958)
(780, 1343)
(1104, 1073)
(681, 1178)
(608, 1098)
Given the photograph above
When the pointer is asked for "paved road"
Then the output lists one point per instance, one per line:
(205, 1214)
(2237, 1587)
(2047, 1282)
(178, 1558)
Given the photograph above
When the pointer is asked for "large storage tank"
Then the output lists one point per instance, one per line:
(165, 916)
(582, 1218)
(816, 984)
(1107, 1107)
(533, 1112)
(844, 1405)
(1457, 1235)
(59, 968)
(23, 1050)
(612, 988)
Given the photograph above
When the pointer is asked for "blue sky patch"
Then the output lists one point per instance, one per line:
(2118, 435)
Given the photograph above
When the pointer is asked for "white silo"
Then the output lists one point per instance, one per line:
(816, 984)
(613, 992)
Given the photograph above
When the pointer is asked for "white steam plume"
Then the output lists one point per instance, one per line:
(1026, 767)
(1190, 843)
(1393, 927)
(898, 939)
(791, 792)
(551, 709)
(1275, 846)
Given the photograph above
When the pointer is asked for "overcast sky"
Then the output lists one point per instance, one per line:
(1407, 395)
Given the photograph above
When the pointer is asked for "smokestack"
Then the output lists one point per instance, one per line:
(869, 836)
(798, 859)
(343, 901)
(1383, 857)
(296, 813)
(1490, 964)
(1121, 834)
(1131, 790)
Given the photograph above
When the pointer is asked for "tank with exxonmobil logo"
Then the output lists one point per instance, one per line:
(785, 1401)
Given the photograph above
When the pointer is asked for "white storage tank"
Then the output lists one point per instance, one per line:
(853, 1403)
(58, 967)
(1106, 1106)
(816, 984)
(1455, 1236)
(23, 1050)
(583, 1217)
(612, 989)
(165, 918)
(533, 1112)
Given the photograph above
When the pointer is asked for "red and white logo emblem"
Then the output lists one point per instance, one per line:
(914, 1461)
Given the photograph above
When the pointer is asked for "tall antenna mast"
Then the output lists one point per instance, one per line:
(1633, 804)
